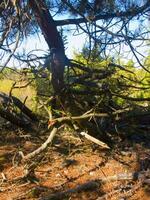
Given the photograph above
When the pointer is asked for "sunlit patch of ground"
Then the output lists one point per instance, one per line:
(71, 162)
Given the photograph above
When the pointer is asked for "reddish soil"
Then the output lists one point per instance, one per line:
(71, 163)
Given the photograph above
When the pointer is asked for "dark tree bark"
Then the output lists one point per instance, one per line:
(54, 41)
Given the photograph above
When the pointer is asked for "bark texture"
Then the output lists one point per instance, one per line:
(54, 41)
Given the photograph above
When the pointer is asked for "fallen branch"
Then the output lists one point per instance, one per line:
(96, 141)
(14, 119)
(6, 111)
(42, 148)
(61, 119)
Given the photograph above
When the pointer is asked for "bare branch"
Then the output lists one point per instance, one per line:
(42, 148)
(107, 16)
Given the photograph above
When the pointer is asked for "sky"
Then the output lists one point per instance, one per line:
(38, 44)
(75, 44)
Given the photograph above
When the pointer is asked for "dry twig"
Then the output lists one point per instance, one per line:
(96, 141)
(43, 147)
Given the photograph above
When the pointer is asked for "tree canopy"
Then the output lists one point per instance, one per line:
(108, 24)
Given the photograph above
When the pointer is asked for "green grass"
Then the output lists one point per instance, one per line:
(28, 93)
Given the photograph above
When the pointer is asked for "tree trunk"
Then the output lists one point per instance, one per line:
(54, 41)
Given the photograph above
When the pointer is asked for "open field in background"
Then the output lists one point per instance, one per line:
(26, 94)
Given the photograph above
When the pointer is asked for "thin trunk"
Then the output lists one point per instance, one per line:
(54, 41)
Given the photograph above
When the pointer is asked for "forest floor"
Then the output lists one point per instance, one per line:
(74, 168)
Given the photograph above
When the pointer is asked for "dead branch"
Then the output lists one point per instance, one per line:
(23, 86)
(104, 16)
(96, 141)
(24, 108)
(43, 147)
(6, 111)
(61, 119)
